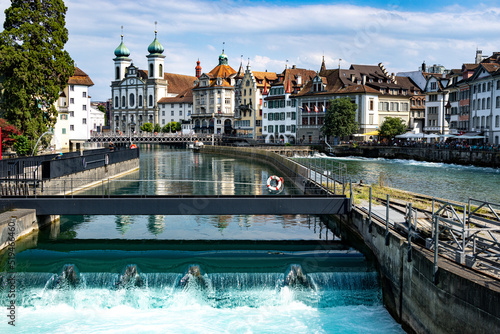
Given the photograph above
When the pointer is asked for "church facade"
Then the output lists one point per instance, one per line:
(136, 93)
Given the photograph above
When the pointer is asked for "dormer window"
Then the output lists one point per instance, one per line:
(379, 80)
(433, 85)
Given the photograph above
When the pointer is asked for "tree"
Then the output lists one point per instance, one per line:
(166, 128)
(9, 132)
(157, 128)
(22, 145)
(392, 126)
(340, 118)
(175, 126)
(33, 63)
(147, 127)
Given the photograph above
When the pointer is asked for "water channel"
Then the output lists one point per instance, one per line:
(448, 181)
(194, 274)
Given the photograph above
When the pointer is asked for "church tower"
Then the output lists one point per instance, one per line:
(155, 59)
(121, 61)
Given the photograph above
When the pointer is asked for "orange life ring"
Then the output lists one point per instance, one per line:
(133, 146)
(279, 183)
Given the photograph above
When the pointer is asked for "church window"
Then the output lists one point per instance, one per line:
(140, 100)
(123, 101)
(131, 100)
(117, 73)
(116, 102)
(150, 100)
(151, 68)
(160, 72)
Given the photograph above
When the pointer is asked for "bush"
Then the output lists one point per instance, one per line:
(22, 145)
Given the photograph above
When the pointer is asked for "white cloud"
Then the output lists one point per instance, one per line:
(270, 34)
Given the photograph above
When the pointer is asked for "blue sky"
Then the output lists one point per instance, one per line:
(400, 34)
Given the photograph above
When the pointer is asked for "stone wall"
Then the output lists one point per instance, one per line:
(465, 157)
(462, 301)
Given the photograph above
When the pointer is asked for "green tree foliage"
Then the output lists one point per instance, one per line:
(166, 128)
(392, 126)
(22, 145)
(175, 126)
(9, 132)
(157, 128)
(33, 63)
(340, 118)
(147, 127)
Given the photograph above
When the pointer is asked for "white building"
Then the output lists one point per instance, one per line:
(136, 93)
(72, 127)
(280, 110)
(436, 105)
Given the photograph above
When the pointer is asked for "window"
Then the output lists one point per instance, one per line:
(371, 104)
(433, 85)
(488, 103)
(497, 121)
(72, 88)
(84, 107)
(172, 113)
(71, 101)
(433, 98)
(140, 100)
(117, 75)
(160, 71)
(71, 114)
(151, 68)
(163, 112)
(180, 112)
(150, 100)
(116, 102)
(71, 128)
(370, 118)
(131, 100)
(123, 102)
(498, 102)
(84, 94)
(84, 121)
(63, 131)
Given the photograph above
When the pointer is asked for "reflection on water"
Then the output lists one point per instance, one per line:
(77, 276)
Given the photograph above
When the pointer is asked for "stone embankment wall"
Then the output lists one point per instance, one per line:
(461, 301)
(27, 221)
(465, 157)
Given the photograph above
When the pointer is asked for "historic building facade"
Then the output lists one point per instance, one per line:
(213, 99)
(376, 93)
(248, 96)
(136, 93)
(280, 111)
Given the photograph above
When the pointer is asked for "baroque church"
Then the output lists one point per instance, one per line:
(136, 92)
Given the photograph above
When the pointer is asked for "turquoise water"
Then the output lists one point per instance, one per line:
(194, 274)
(449, 181)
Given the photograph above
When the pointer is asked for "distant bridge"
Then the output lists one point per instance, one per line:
(180, 204)
(156, 139)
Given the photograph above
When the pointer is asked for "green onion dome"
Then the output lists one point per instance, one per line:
(121, 50)
(155, 46)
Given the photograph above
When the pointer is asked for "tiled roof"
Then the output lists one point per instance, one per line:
(184, 97)
(80, 78)
(490, 67)
(178, 83)
(222, 71)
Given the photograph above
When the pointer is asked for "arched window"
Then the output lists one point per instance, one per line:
(123, 101)
(131, 99)
(140, 100)
(160, 72)
(116, 102)
(117, 73)
(150, 100)
(151, 68)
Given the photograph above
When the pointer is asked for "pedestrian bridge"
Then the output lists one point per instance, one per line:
(156, 138)
(180, 204)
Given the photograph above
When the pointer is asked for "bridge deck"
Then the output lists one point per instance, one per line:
(180, 205)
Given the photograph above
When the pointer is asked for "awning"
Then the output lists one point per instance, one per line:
(371, 133)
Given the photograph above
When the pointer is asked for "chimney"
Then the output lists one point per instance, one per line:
(424, 69)
(294, 67)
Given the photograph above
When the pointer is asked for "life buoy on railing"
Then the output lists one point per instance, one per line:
(278, 183)
(133, 146)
